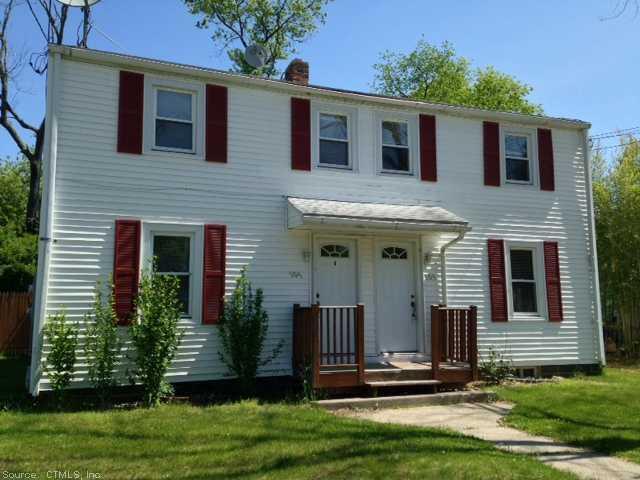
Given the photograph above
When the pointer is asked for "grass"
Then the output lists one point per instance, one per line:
(601, 412)
(247, 440)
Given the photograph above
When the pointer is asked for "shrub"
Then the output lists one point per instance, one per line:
(243, 330)
(102, 345)
(59, 363)
(154, 333)
(495, 369)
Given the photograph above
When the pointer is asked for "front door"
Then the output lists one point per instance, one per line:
(335, 272)
(396, 297)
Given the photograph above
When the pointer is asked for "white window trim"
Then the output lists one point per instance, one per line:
(412, 141)
(330, 109)
(196, 90)
(195, 233)
(539, 276)
(531, 134)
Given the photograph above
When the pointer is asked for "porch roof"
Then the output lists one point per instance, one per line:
(308, 212)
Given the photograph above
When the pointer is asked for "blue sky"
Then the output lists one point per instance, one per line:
(580, 67)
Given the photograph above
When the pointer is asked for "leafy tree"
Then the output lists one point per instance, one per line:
(277, 25)
(59, 364)
(18, 249)
(102, 343)
(617, 211)
(243, 331)
(438, 74)
(154, 333)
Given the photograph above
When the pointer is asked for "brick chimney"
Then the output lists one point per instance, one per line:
(297, 72)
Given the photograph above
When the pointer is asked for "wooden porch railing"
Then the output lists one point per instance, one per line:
(330, 341)
(454, 338)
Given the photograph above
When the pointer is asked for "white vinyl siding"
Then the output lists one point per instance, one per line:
(95, 185)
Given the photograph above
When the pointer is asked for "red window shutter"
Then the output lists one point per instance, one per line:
(497, 281)
(215, 246)
(300, 134)
(491, 148)
(126, 268)
(428, 155)
(216, 134)
(545, 160)
(552, 275)
(130, 112)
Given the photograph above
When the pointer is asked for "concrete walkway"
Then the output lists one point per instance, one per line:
(484, 421)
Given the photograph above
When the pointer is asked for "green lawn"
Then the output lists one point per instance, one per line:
(601, 412)
(246, 440)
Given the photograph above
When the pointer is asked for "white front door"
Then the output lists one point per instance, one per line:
(335, 272)
(396, 297)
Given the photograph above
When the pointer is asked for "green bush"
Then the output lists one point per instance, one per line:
(154, 333)
(243, 330)
(59, 363)
(495, 369)
(18, 254)
(102, 344)
(18, 249)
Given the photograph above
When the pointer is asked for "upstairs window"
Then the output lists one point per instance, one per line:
(334, 140)
(523, 280)
(173, 257)
(174, 120)
(517, 150)
(395, 147)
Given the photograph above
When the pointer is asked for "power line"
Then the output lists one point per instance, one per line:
(634, 142)
(613, 133)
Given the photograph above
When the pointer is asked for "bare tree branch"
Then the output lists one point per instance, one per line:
(50, 20)
(621, 7)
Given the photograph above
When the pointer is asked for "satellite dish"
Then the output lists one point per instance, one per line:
(256, 55)
(79, 3)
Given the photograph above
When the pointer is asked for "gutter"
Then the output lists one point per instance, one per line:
(164, 67)
(594, 249)
(443, 264)
(49, 157)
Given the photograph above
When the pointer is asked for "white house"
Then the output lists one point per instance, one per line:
(327, 196)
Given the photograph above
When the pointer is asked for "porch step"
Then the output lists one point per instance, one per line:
(403, 383)
(397, 375)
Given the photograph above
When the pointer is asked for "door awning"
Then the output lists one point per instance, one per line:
(305, 213)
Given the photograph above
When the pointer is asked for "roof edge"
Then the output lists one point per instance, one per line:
(132, 61)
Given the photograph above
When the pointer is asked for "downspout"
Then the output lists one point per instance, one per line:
(594, 248)
(443, 264)
(49, 156)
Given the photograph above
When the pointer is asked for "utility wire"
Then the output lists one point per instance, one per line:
(614, 133)
(634, 142)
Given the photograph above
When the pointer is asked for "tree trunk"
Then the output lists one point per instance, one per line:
(35, 183)
(33, 201)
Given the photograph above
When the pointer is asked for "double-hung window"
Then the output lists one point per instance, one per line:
(518, 158)
(523, 280)
(174, 120)
(178, 251)
(334, 140)
(395, 147)
(173, 255)
(526, 280)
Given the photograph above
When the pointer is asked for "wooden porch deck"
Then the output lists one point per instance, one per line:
(329, 350)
